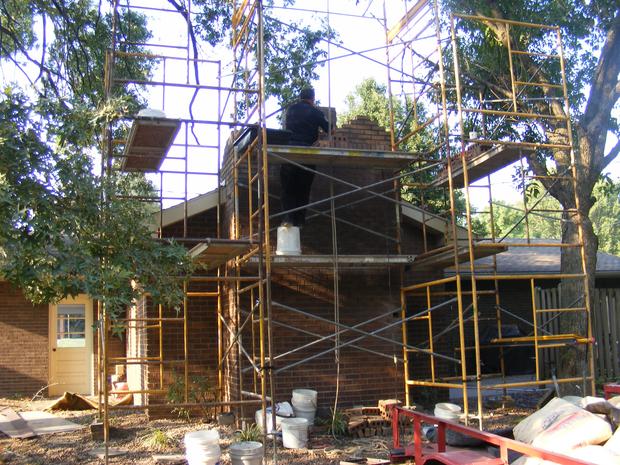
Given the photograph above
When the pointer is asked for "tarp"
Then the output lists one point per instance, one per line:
(71, 401)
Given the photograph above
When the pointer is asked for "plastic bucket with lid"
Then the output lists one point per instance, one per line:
(304, 403)
(202, 447)
(288, 242)
(304, 397)
(246, 453)
(307, 412)
(447, 411)
(294, 433)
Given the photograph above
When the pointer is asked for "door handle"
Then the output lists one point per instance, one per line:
(54, 349)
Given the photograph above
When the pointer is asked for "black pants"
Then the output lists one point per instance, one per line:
(296, 183)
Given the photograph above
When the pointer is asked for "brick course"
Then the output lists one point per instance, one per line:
(24, 359)
(366, 293)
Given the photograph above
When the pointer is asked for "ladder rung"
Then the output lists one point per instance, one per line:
(539, 84)
(551, 310)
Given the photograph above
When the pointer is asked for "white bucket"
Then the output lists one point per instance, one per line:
(246, 453)
(202, 447)
(294, 433)
(304, 403)
(447, 411)
(305, 411)
(304, 397)
(258, 419)
(288, 241)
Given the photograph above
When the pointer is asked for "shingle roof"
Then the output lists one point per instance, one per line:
(543, 259)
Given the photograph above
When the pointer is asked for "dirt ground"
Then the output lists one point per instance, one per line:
(133, 433)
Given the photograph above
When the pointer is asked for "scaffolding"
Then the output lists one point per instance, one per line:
(181, 156)
(442, 290)
(472, 142)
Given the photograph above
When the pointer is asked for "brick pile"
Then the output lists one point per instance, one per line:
(366, 422)
(360, 133)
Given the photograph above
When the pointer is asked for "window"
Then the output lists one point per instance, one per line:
(71, 326)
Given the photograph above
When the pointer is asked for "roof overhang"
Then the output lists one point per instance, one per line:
(434, 222)
(194, 206)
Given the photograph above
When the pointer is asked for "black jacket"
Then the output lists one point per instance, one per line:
(304, 121)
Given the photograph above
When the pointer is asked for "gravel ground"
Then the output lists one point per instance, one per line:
(132, 431)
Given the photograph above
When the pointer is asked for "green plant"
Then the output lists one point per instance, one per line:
(158, 440)
(249, 433)
(339, 423)
(198, 392)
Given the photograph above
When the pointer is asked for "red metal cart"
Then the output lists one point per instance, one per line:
(424, 453)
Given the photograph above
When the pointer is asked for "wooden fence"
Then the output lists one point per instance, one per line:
(605, 328)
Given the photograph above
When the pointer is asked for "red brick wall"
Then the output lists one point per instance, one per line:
(202, 347)
(365, 377)
(24, 361)
(365, 293)
(202, 339)
(201, 225)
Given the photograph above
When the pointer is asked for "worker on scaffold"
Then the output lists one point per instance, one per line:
(303, 119)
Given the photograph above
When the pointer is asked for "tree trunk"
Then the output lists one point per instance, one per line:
(574, 358)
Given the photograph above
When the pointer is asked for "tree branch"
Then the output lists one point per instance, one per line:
(181, 9)
(604, 84)
(611, 155)
(503, 36)
(44, 47)
(18, 45)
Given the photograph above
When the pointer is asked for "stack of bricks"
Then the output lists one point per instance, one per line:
(360, 133)
(385, 407)
(374, 421)
(367, 422)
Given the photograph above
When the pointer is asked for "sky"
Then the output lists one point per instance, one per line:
(345, 69)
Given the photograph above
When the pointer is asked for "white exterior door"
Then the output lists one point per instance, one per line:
(71, 346)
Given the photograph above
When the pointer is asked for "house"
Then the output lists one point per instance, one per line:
(49, 348)
(336, 308)
(355, 345)
(335, 331)
(516, 304)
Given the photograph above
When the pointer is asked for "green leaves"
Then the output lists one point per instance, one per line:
(59, 236)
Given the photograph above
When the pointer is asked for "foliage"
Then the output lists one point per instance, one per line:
(65, 230)
(57, 235)
(509, 220)
(605, 215)
(70, 54)
(249, 433)
(545, 220)
(339, 423)
(158, 441)
(370, 99)
(292, 54)
(292, 50)
(591, 49)
(591, 45)
(199, 391)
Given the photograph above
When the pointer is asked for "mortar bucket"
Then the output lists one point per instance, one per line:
(246, 453)
(295, 433)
